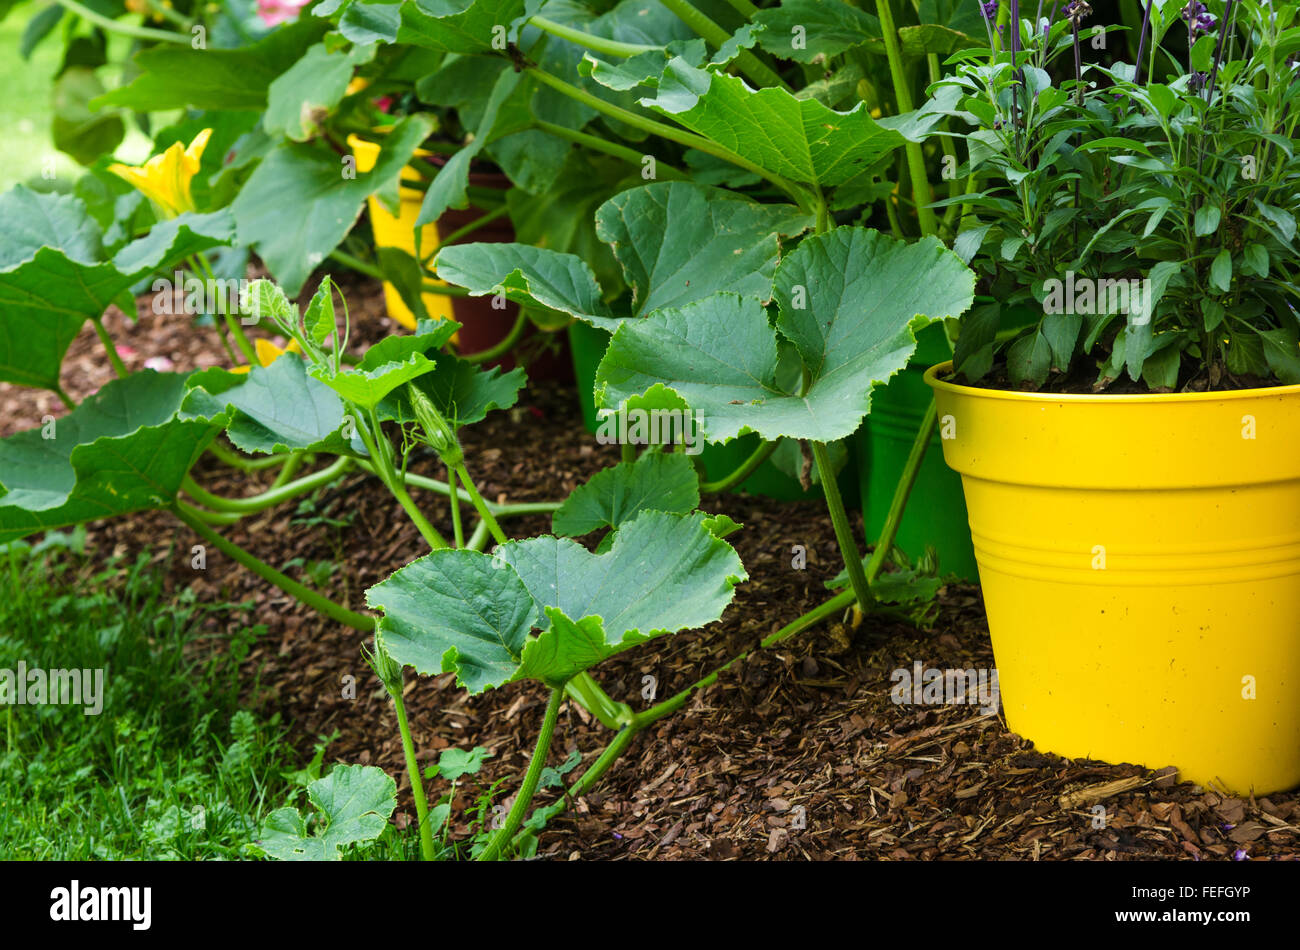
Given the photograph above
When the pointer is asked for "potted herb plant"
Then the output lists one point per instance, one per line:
(1130, 460)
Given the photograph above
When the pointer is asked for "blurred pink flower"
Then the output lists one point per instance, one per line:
(160, 363)
(275, 12)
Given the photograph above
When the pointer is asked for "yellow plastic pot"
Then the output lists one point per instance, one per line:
(399, 232)
(1140, 561)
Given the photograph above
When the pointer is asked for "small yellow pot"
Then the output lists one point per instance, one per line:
(399, 232)
(1140, 563)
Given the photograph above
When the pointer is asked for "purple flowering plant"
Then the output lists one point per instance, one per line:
(1175, 179)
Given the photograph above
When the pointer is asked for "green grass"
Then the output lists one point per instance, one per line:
(172, 768)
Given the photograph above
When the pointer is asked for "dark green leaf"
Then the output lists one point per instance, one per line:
(122, 450)
(177, 77)
(656, 481)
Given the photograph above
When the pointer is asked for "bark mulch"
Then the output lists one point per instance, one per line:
(796, 753)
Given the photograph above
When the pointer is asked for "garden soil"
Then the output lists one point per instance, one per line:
(796, 753)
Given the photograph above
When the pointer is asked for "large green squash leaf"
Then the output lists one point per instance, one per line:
(33, 220)
(123, 449)
(462, 26)
(821, 29)
(850, 302)
(53, 279)
(530, 276)
(798, 139)
(656, 481)
(298, 205)
(300, 98)
(468, 613)
(277, 408)
(176, 77)
(364, 23)
(353, 803)
(456, 610)
(676, 242)
(679, 241)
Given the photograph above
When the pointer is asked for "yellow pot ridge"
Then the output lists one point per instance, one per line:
(1140, 562)
(399, 232)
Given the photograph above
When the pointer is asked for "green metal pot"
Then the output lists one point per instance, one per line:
(936, 509)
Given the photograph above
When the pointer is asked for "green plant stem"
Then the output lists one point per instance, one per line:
(478, 540)
(529, 788)
(843, 532)
(480, 505)
(597, 44)
(224, 335)
(743, 7)
(618, 745)
(109, 347)
(597, 144)
(125, 29)
(398, 491)
(889, 531)
(891, 212)
(627, 452)
(242, 463)
(242, 343)
(747, 468)
(903, 97)
(413, 769)
(269, 498)
(457, 532)
(311, 598)
(498, 510)
(379, 448)
(607, 758)
(289, 469)
(673, 703)
(199, 265)
(218, 517)
(717, 37)
(671, 133)
(474, 225)
(357, 264)
(64, 398)
(584, 689)
(504, 346)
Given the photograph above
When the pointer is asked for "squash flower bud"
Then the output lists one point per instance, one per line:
(437, 432)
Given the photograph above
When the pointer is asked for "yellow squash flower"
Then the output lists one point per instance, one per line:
(268, 352)
(166, 178)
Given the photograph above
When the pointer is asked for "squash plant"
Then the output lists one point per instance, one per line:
(771, 119)
(463, 611)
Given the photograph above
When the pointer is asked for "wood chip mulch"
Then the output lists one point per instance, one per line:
(796, 753)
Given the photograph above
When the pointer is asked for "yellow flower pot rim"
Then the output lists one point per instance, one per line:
(934, 372)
